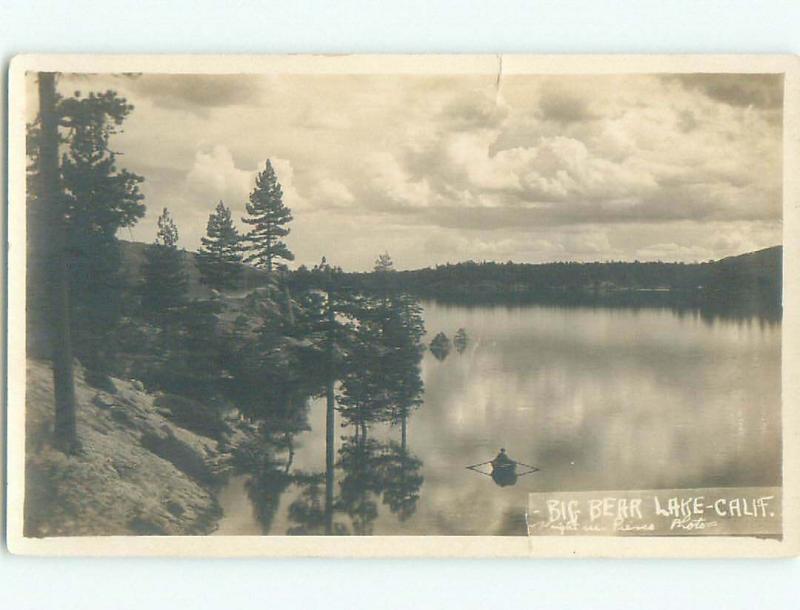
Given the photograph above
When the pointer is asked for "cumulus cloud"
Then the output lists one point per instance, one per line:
(564, 107)
(438, 168)
(198, 92)
(760, 90)
(475, 110)
(214, 175)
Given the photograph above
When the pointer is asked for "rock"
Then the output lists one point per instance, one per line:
(103, 401)
(180, 454)
(175, 508)
(119, 484)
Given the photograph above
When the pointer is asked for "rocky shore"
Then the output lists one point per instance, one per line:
(138, 471)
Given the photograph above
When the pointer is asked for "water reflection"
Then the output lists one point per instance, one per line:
(461, 340)
(503, 470)
(371, 352)
(596, 398)
(440, 346)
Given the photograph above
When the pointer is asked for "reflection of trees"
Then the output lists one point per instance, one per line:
(372, 472)
(460, 340)
(268, 459)
(402, 481)
(370, 344)
(359, 459)
(265, 489)
(381, 383)
(440, 346)
(309, 511)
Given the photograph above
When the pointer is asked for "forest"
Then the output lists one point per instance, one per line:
(745, 284)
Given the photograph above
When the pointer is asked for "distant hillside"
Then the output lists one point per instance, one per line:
(747, 282)
(133, 258)
(751, 280)
(765, 264)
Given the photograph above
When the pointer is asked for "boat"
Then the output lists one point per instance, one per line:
(503, 462)
(504, 469)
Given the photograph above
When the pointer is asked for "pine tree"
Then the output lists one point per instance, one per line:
(384, 263)
(220, 257)
(269, 217)
(164, 289)
(98, 199)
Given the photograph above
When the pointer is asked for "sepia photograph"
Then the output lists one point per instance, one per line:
(470, 300)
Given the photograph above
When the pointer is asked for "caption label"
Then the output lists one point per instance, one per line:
(717, 511)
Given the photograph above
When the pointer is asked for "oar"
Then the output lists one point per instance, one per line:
(476, 465)
(531, 469)
(480, 472)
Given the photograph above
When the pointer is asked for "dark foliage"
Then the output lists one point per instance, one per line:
(220, 256)
(269, 218)
(739, 285)
(99, 199)
(164, 281)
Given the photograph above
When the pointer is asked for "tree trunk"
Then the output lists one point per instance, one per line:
(329, 423)
(53, 202)
(404, 433)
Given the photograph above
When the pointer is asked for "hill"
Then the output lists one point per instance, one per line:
(133, 257)
(746, 282)
(752, 280)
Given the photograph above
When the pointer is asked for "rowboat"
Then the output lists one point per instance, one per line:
(503, 469)
(503, 465)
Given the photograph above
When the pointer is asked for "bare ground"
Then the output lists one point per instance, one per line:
(137, 472)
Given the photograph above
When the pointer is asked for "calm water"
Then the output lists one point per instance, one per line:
(594, 398)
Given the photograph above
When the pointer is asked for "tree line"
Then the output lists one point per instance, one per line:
(750, 283)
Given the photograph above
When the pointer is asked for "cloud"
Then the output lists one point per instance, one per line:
(759, 90)
(437, 168)
(332, 193)
(672, 252)
(687, 121)
(214, 176)
(564, 107)
(474, 110)
(198, 92)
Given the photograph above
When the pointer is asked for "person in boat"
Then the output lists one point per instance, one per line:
(502, 460)
(504, 470)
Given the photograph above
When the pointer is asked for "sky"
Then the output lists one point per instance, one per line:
(437, 169)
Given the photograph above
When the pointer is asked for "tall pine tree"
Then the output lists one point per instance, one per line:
(221, 254)
(269, 218)
(164, 288)
(98, 199)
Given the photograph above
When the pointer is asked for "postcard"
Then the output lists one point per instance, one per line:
(391, 306)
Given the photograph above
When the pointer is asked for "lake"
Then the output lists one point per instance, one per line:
(594, 398)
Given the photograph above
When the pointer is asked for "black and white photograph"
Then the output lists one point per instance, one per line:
(511, 303)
